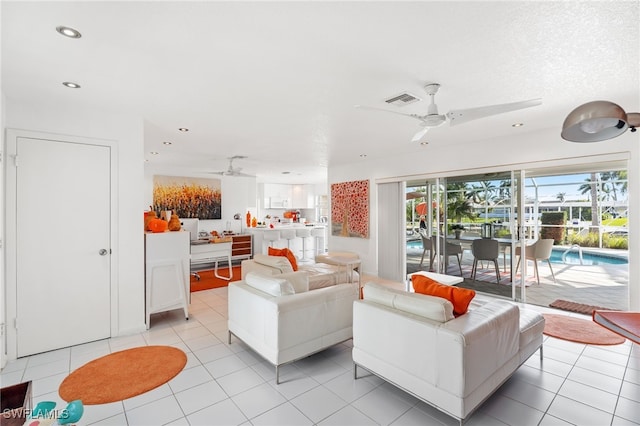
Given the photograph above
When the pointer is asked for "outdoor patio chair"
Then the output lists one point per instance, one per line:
(426, 246)
(485, 249)
(503, 251)
(466, 245)
(448, 249)
(540, 250)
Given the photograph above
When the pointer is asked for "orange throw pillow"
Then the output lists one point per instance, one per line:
(459, 297)
(286, 253)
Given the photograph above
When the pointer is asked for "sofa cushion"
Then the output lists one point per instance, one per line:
(286, 253)
(430, 307)
(280, 263)
(269, 284)
(298, 279)
(459, 297)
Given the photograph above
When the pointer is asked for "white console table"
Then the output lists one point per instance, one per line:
(208, 252)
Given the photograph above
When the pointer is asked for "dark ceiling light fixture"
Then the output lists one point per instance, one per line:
(68, 32)
(598, 121)
(183, 129)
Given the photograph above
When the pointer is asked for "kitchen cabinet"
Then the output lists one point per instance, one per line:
(277, 196)
(303, 196)
(167, 258)
(284, 196)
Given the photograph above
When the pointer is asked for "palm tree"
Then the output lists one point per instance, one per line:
(482, 193)
(621, 180)
(560, 196)
(459, 208)
(592, 188)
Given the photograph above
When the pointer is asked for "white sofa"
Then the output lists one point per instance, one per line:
(454, 364)
(282, 320)
(320, 274)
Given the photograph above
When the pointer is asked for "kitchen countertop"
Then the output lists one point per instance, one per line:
(288, 226)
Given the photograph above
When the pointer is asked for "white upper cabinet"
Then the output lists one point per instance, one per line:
(303, 196)
(283, 196)
(277, 196)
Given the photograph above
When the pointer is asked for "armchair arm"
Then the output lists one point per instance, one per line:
(474, 346)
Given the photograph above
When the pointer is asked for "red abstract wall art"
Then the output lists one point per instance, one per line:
(350, 209)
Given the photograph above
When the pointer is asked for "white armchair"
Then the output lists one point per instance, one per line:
(283, 321)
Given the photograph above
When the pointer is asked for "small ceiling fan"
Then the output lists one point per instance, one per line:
(234, 171)
(460, 116)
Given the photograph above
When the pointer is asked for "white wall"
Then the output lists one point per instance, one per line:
(3, 319)
(534, 150)
(128, 132)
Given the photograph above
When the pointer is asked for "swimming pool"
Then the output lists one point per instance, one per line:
(588, 258)
(572, 258)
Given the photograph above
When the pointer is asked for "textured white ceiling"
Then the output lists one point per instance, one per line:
(278, 81)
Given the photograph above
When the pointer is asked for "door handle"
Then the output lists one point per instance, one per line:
(103, 252)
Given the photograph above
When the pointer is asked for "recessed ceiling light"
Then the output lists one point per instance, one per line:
(424, 143)
(166, 143)
(517, 125)
(68, 32)
(363, 155)
(285, 173)
(71, 85)
(183, 129)
(154, 153)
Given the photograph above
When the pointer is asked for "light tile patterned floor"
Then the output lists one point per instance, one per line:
(230, 385)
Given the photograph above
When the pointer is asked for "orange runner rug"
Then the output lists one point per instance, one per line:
(123, 374)
(579, 330)
(208, 280)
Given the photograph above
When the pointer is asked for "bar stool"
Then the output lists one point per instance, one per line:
(288, 234)
(303, 233)
(269, 236)
(318, 234)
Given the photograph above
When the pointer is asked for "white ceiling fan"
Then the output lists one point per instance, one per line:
(234, 171)
(459, 116)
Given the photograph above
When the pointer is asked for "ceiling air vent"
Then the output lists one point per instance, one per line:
(402, 99)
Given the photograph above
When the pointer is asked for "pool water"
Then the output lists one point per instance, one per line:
(572, 258)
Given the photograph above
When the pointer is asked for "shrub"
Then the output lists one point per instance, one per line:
(591, 240)
(620, 243)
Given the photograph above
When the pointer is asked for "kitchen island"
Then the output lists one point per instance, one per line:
(290, 235)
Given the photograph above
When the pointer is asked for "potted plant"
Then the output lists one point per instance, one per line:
(457, 229)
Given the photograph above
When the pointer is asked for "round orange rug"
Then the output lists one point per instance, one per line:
(123, 374)
(579, 330)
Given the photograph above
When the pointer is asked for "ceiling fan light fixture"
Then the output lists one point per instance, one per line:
(594, 122)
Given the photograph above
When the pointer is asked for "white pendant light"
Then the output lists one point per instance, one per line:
(598, 121)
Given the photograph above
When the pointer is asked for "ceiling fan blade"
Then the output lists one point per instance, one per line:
(419, 135)
(416, 116)
(463, 115)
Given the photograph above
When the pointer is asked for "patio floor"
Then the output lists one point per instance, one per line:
(598, 285)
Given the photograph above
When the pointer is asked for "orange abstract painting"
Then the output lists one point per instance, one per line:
(350, 209)
(188, 197)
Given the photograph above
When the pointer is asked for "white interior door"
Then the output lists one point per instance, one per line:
(62, 244)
